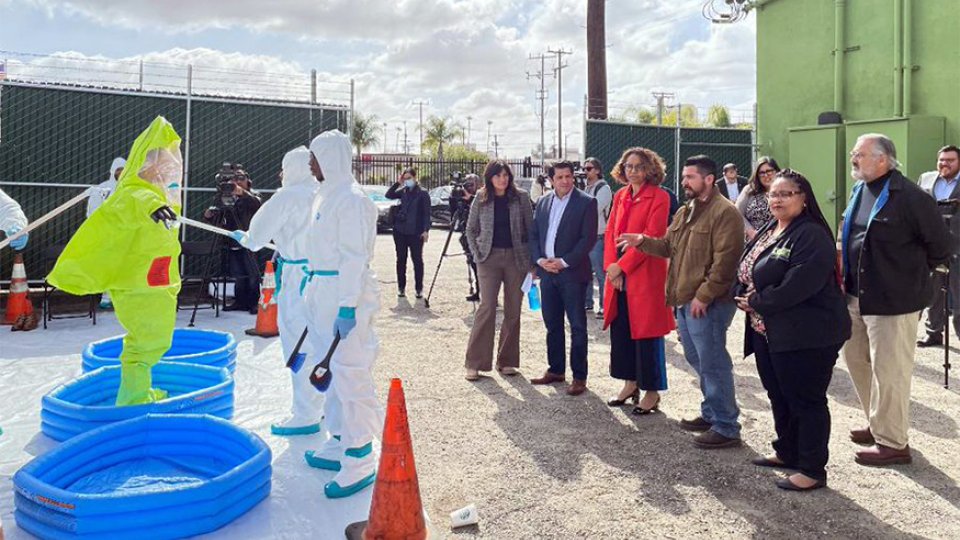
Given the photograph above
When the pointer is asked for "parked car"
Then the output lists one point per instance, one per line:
(378, 194)
(440, 206)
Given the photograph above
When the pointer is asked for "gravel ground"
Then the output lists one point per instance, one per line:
(541, 464)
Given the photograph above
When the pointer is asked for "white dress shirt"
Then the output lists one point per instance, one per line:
(733, 189)
(557, 207)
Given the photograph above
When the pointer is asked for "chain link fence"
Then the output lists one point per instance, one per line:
(606, 141)
(57, 139)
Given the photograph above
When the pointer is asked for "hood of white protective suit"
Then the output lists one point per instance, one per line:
(296, 168)
(335, 156)
(118, 163)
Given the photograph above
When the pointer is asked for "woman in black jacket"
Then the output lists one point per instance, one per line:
(411, 228)
(797, 322)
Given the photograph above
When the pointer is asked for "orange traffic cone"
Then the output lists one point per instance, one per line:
(267, 307)
(19, 307)
(396, 511)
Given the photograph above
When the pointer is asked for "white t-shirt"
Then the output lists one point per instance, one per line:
(604, 195)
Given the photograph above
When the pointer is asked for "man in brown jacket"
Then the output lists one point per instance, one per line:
(704, 244)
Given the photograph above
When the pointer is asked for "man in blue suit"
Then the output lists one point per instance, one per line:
(563, 233)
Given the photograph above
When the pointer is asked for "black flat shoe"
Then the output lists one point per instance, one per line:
(762, 461)
(617, 402)
(640, 411)
(785, 483)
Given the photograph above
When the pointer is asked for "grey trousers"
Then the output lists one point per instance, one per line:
(936, 318)
(500, 267)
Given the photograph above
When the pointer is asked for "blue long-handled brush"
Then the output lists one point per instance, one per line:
(295, 362)
(321, 376)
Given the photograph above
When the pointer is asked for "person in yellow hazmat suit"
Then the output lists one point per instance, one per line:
(129, 247)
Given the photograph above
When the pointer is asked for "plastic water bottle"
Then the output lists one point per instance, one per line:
(533, 297)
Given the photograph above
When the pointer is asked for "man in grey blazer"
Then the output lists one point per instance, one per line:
(943, 185)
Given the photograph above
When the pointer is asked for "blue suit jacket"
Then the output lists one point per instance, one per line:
(576, 236)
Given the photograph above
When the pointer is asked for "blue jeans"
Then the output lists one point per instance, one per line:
(705, 348)
(596, 261)
(561, 297)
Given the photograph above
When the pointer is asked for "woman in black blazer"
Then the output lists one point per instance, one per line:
(797, 320)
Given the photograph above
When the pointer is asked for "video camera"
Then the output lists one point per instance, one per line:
(460, 186)
(227, 182)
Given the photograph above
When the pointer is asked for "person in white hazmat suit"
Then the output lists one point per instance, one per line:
(283, 219)
(342, 298)
(12, 220)
(98, 195)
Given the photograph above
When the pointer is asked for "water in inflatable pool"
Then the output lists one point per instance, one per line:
(149, 475)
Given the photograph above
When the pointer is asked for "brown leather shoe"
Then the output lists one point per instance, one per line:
(548, 378)
(862, 436)
(697, 424)
(577, 387)
(712, 439)
(879, 455)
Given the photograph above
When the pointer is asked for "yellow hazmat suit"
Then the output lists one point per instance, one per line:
(123, 250)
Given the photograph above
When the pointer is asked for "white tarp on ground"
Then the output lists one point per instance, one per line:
(33, 363)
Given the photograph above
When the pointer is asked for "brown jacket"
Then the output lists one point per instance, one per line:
(480, 228)
(704, 244)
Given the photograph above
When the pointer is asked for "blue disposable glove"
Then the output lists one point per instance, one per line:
(346, 321)
(19, 243)
(239, 236)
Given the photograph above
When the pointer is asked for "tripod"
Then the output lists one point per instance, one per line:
(217, 256)
(455, 221)
(944, 271)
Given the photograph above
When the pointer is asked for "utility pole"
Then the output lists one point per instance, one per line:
(660, 97)
(421, 104)
(406, 141)
(384, 137)
(542, 96)
(489, 125)
(558, 73)
(396, 145)
(596, 60)
(469, 118)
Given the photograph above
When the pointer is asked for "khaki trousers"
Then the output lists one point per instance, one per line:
(499, 268)
(879, 356)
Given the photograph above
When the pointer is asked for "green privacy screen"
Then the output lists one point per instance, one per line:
(66, 136)
(606, 141)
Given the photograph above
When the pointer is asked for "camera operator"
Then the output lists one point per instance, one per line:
(943, 185)
(233, 207)
(411, 228)
(461, 197)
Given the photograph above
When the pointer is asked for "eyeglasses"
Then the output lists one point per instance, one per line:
(782, 194)
(589, 168)
(767, 172)
(861, 155)
(631, 167)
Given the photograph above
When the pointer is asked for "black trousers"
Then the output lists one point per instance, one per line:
(243, 269)
(796, 383)
(640, 360)
(414, 244)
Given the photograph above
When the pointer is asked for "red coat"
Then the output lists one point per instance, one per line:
(646, 275)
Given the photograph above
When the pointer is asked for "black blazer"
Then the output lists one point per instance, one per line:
(721, 184)
(576, 235)
(797, 293)
(412, 215)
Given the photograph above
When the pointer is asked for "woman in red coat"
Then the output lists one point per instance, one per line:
(635, 304)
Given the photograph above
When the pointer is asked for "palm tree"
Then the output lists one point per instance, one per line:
(364, 131)
(441, 131)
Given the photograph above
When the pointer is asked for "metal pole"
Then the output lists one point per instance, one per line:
(186, 153)
(676, 151)
(140, 86)
(313, 86)
(350, 121)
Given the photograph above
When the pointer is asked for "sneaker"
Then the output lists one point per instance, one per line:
(475, 297)
(588, 307)
(600, 313)
(401, 294)
(419, 294)
(712, 439)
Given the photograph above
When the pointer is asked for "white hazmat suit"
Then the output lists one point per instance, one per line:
(284, 219)
(12, 218)
(100, 192)
(342, 292)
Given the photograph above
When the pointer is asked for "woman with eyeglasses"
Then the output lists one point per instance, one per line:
(635, 306)
(752, 202)
(797, 320)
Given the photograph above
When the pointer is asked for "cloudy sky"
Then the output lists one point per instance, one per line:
(463, 57)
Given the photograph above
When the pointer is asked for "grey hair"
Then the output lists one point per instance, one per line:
(884, 146)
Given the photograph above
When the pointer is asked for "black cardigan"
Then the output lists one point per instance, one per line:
(797, 293)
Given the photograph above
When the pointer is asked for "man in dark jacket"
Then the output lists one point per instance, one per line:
(411, 228)
(563, 232)
(892, 237)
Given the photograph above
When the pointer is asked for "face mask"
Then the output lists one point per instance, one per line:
(408, 184)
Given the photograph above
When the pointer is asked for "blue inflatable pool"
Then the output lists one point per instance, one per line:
(156, 476)
(88, 402)
(190, 345)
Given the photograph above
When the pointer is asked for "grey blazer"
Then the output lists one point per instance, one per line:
(480, 228)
